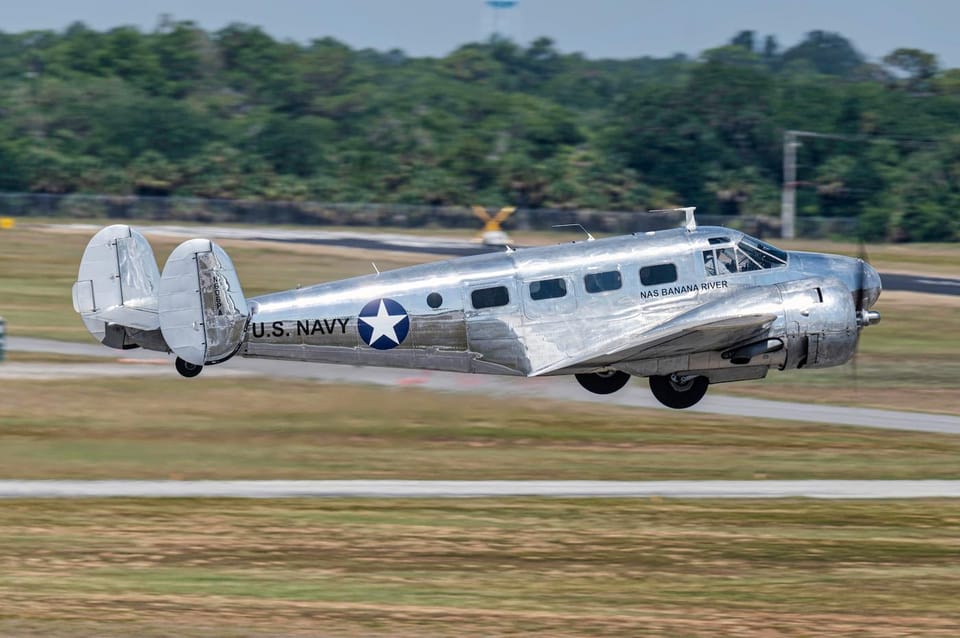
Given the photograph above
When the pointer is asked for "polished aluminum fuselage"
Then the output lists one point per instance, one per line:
(526, 336)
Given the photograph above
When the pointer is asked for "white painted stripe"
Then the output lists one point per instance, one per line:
(477, 489)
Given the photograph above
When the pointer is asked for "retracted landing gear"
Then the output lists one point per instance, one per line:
(606, 382)
(678, 391)
(187, 369)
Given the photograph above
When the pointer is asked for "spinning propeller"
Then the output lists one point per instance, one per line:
(865, 317)
(859, 303)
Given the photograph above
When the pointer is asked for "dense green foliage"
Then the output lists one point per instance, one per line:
(238, 114)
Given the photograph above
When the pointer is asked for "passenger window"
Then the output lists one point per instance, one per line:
(659, 274)
(548, 289)
(603, 281)
(490, 297)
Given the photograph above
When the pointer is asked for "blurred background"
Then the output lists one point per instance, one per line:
(816, 124)
(645, 106)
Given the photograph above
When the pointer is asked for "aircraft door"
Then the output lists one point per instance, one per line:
(490, 298)
(491, 309)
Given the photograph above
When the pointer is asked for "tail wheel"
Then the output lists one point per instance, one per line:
(187, 369)
(606, 382)
(677, 391)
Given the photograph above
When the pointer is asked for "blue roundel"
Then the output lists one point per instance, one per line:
(383, 324)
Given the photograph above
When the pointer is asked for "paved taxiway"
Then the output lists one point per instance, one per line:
(146, 363)
(444, 246)
(480, 489)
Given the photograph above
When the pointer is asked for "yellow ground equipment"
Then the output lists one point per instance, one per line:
(492, 234)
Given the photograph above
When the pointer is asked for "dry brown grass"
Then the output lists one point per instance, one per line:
(479, 567)
(258, 428)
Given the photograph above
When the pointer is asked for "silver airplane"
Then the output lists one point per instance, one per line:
(686, 307)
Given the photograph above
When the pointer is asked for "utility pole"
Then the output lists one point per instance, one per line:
(788, 196)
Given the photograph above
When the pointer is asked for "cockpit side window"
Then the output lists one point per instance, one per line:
(709, 263)
(722, 261)
(726, 260)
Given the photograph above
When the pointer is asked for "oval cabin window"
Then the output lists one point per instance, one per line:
(659, 274)
(490, 297)
(603, 281)
(548, 289)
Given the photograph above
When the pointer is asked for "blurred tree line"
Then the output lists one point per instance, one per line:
(238, 114)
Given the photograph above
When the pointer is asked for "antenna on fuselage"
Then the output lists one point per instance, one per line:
(580, 226)
(374, 264)
(691, 222)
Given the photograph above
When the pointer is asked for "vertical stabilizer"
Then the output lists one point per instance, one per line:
(202, 310)
(117, 283)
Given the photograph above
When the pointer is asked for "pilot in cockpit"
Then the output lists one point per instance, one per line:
(726, 260)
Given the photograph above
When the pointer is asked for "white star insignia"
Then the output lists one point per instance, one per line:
(383, 324)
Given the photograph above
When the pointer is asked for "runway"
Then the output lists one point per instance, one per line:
(559, 389)
(482, 489)
(443, 246)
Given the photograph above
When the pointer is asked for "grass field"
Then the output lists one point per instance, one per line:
(257, 428)
(505, 567)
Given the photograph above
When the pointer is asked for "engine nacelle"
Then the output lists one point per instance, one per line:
(821, 324)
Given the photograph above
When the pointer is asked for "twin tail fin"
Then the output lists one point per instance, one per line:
(194, 308)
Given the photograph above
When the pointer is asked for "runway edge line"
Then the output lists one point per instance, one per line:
(813, 489)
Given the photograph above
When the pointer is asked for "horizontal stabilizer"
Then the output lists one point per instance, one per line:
(130, 317)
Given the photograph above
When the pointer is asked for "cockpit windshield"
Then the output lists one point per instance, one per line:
(750, 254)
(754, 254)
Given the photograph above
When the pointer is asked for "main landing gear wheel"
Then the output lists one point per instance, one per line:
(678, 392)
(606, 382)
(187, 369)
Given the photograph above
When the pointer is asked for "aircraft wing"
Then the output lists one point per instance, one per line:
(703, 329)
(716, 335)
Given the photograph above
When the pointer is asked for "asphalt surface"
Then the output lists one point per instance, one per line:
(929, 285)
(481, 489)
(560, 389)
(451, 247)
